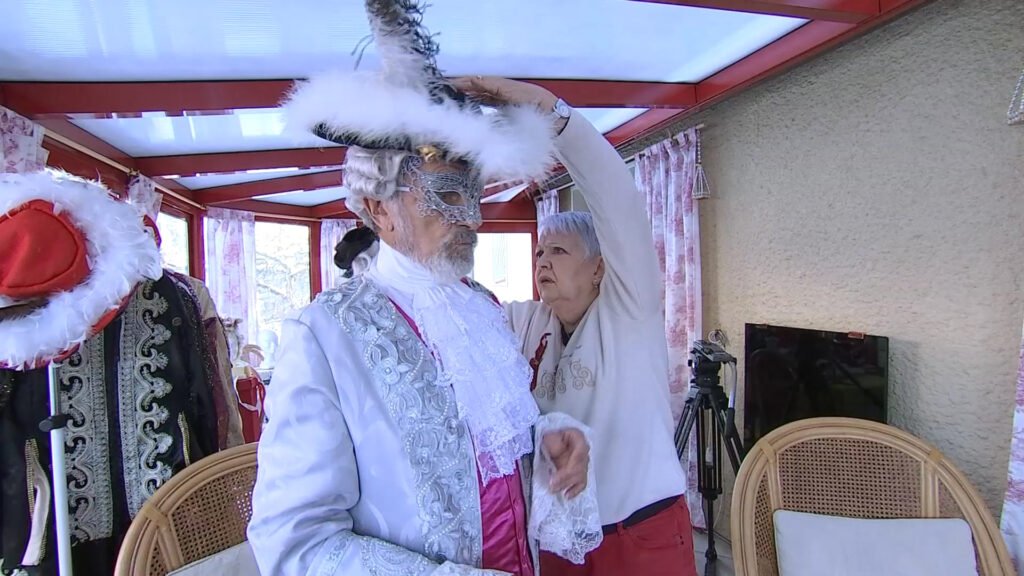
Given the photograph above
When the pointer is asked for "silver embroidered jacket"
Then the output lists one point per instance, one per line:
(364, 467)
(139, 399)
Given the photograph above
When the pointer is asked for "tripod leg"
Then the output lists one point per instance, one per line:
(711, 555)
(727, 424)
(686, 421)
(709, 474)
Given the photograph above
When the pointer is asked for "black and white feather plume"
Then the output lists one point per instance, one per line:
(409, 103)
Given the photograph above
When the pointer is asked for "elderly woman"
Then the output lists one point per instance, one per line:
(597, 345)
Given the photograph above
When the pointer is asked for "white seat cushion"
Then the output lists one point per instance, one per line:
(235, 561)
(817, 545)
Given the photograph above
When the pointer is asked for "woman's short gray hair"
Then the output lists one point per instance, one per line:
(579, 224)
(370, 174)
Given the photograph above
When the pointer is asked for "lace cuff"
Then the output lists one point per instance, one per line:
(568, 528)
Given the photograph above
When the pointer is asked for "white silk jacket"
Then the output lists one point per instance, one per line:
(365, 468)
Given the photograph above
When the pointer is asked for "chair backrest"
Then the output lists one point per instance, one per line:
(202, 510)
(853, 468)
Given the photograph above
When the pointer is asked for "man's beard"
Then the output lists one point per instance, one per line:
(451, 262)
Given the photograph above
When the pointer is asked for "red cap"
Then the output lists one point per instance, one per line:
(44, 252)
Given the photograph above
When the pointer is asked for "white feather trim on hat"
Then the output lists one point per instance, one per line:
(121, 254)
(514, 143)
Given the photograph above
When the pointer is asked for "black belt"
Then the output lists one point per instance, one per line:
(645, 513)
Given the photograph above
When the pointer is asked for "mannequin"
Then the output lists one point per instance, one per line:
(81, 284)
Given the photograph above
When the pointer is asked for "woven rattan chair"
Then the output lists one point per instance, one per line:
(202, 510)
(853, 468)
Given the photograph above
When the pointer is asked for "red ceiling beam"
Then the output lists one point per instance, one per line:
(176, 188)
(194, 164)
(39, 100)
(797, 47)
(335, 209)
(609, 94)
(519, 210)
(272, 209)
(44, 99)
(642, 124)
(85, 166)
(230, 193)
(849, 11)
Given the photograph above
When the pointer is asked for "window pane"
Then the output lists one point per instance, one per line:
(173, 242)
(504, 264)
(282, 279)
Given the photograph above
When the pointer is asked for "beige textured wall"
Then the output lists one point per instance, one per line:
(879, 189)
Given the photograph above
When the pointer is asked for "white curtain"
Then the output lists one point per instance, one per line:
(231, 266)
(142, 194)
(331, 232)
(666, 173)
(21, 143)
(547, 204)
(1013, 504)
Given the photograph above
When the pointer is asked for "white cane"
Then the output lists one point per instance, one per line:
(55, 426)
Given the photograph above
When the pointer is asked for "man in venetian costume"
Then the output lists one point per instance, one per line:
(401, 425)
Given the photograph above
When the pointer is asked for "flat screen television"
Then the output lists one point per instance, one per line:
(795, 373)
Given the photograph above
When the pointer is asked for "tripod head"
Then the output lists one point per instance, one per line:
(706, 359)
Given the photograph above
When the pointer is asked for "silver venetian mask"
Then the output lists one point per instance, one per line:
(454, 193)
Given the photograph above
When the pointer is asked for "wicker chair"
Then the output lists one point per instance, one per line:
(853, 468)
(202, 510)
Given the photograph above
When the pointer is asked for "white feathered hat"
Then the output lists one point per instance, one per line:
(409, 105)
(70, 256)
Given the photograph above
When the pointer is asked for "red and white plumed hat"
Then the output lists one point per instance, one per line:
(70, 256)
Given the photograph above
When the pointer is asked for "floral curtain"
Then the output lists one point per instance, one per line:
(231, 266)
(1013, 504)
(21, 143)
(666, 174)
(331, 232)
(547, 204)
(142, 194)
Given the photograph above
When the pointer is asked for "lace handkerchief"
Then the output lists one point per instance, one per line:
(568, 528)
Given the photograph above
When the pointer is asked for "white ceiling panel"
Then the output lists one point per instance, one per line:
(307, 197)
(606, 119)
(156, 134)
(213, 180)
(135, 40)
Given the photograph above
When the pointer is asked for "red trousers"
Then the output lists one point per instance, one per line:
(662, 545)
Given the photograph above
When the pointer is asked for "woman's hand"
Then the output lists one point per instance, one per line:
(569, 451)
(495, 91)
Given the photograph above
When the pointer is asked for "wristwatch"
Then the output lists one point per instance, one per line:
(561, 110)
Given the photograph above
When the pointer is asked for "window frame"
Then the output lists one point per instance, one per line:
(190, 247)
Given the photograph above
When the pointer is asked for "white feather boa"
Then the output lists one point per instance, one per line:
(121, 254)
(515, 143)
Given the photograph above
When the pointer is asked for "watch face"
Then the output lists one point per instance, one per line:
(562, 109)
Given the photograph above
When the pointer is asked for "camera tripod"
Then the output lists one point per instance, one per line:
(711, 410)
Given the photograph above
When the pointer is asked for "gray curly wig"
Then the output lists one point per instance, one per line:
(371, 174)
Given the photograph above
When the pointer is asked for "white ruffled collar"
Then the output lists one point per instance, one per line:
(476, 354)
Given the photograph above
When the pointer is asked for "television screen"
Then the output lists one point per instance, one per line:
(795, 373)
